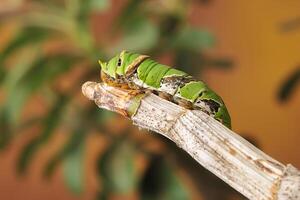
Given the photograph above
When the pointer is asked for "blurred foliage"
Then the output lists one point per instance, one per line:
(289, 86)
(117, 168)
(55, 38)
(160, 182)
(50, 122)
(74, 168)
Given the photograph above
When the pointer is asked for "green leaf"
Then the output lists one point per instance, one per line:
(82, 9)
(195, 62)
(129, 13)
(103, 116)
(21, 66)
(28, 123)
(193, 39)
(103, 195)
(84, 37)
(289, 86)
(27, 154)
(51, 121)
(142, 36)
(169, 25)
(28, 35)
(74, 141)
(52, 3)
(189, 61)
(117, 168)
(2, 74)
(161, 182)
(15, 104)
(5, 134)
(41, 72)
(16, 94)
(51, 18)
(222, 63)
(46, 69)
(99, 5)
(73, 168)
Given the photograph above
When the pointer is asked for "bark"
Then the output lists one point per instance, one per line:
(233, 159)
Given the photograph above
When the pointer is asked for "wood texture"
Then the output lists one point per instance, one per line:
(233, 159)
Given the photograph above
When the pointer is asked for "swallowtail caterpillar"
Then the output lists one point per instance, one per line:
(139, 72)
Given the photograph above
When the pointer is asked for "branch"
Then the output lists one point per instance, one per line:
(233, 159)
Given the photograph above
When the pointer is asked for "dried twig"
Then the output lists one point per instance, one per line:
(241, 165)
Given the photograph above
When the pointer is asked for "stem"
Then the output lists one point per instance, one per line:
(233, 159)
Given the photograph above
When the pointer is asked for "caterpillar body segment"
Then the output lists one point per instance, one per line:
(131, 70)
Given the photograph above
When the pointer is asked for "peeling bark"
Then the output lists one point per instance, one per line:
(233, 159)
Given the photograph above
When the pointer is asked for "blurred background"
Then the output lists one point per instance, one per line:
(55, 144)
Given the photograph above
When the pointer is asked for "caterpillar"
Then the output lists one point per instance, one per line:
(140, 72)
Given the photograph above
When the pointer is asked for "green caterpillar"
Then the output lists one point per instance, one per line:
(140, 72)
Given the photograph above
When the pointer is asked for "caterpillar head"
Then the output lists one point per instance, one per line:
(115, 65)
(122, 64)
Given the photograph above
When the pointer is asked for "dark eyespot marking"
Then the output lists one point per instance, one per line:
(214, 106)
(119, 62)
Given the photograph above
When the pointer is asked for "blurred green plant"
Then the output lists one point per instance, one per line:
(29, 67)
(117, 167)
(289, 86)
(160, 182)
